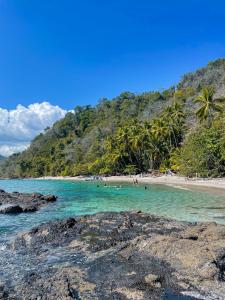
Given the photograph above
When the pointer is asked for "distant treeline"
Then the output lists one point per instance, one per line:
(180, 129)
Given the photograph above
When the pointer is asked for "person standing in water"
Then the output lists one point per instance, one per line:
(135, 181)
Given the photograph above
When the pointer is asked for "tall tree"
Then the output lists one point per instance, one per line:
(208, 104)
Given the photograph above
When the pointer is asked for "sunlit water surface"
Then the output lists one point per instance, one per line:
(79, 198)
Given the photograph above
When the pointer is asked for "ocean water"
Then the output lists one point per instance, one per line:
(80, 198)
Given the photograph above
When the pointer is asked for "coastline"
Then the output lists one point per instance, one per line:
(217, 184)
(118, 255)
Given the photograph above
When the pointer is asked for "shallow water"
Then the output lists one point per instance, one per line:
(79, 198)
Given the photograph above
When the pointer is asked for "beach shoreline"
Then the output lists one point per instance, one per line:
(216, 184)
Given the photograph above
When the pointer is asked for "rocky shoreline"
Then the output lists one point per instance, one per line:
(13, 203)
(129, 255)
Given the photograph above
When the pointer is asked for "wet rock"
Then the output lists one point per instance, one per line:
(50, 198)
(11, 203)
(3, 293)
(36, 195)
(30, 208)
(153, 280)
(119, 256)
(10, 209)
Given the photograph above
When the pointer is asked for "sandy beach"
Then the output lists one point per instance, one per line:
(216, 184)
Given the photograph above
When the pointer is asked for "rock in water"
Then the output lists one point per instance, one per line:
(10, 209)
(14, 203)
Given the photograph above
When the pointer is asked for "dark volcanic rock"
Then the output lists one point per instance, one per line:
(118, 256)
(10, 209)
(12, 203)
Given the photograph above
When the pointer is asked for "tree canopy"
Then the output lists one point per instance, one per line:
(181, 129)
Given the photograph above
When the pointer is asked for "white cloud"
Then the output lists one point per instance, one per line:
(19, 126)
(9, 149)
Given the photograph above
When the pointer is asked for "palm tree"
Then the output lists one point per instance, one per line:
(175, 116)
(159, 128)
(209, 104)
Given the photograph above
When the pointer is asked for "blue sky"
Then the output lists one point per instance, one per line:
(70, 52)
(56, 54)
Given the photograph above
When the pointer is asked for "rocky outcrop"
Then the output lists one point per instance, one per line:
(13, 203)
(119, 256)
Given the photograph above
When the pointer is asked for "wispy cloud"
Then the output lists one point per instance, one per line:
(19, 126)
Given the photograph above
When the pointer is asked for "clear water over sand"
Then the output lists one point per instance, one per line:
(79, 198)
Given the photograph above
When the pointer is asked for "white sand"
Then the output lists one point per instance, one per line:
(173, 180)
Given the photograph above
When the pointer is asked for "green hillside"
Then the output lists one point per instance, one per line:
(181, 128)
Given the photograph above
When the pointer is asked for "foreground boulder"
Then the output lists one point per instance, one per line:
(116, 256)
(13, 203)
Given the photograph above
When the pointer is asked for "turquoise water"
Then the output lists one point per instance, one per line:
(79, 198)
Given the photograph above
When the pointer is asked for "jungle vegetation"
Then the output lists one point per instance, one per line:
(180, 129)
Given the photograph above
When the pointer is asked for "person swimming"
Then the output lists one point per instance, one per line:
(119, 187)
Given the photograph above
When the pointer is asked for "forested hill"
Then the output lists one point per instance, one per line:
(181, 128)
